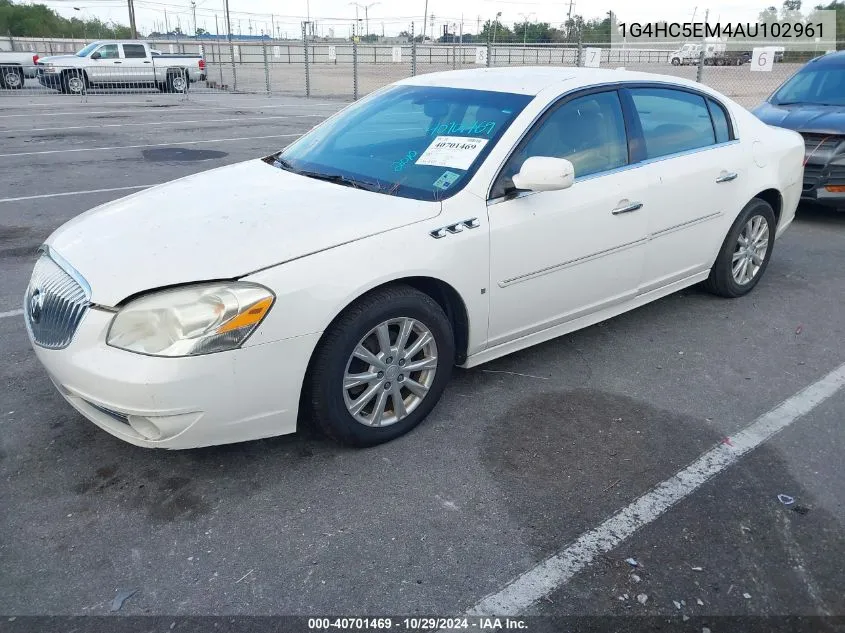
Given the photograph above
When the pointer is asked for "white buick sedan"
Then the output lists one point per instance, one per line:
(447, 219)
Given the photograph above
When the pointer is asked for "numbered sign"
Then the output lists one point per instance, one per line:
(592, 57)
(277, 51)
(237, 50)
(481, 55)
(397, 54)
(762, 59)
(332, 53)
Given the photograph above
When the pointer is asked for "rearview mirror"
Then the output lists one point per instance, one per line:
(95, 56)
(544, 173)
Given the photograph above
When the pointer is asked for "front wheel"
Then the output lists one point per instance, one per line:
(381, 367)
(746, 251)
(676, 61)
(73, 82)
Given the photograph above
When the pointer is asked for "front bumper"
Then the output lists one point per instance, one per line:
(819, 194)
(49, 80)
(244, 394)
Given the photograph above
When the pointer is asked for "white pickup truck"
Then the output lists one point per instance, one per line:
(15, 67)
(120, 64)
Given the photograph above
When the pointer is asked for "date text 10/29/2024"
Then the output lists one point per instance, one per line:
(418, 624)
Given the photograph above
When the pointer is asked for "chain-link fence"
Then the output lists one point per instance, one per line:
(348, 70)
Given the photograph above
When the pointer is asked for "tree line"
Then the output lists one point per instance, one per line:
(38, 20)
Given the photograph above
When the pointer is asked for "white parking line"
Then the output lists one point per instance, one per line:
(10, 313)
(104, 149)
(75, 193)
(228, 120)
(155, 109)
(557, 570)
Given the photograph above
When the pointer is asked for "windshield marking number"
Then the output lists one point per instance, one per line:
(457, 152)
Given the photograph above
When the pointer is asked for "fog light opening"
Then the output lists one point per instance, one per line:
(146, 428)
(835, 188)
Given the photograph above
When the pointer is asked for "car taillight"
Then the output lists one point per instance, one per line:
(35, 59)
(202, 64)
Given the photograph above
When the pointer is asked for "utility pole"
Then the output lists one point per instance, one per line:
(496, 26)
(194, 11)
(525, 18)
(272, 26)
(132, 31)
(425, 17)
(569, 20)
(166, 23)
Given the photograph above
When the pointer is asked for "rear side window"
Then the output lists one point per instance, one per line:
(672, 120)
(720, 121)
(134, 51)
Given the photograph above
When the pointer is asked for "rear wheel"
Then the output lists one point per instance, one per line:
(176, 82)
(381, 367)
(11, 77)
(676, 61)
(745, 252)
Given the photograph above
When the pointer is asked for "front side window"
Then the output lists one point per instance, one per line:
(134, 51)
(108, 51)
(588, 131)
(420, 142)
(672, 120)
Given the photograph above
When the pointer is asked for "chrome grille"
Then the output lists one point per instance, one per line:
(56, 300)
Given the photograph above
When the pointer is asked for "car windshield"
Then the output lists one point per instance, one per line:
(85, 51)
(418, 142)
(816, 86)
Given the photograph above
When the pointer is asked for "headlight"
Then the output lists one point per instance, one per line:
(193, 320)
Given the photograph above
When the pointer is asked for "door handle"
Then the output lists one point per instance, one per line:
(117, 62)
(148, 62)
(727, 176)
(633, 206)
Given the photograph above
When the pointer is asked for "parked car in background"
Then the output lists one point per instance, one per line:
(729, 58)
(450, 218)
(812, 102)
(15, 67)
(120, 64)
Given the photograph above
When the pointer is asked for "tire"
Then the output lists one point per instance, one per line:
(177, 82)
(74, 82)
(332, 402)
(12, 78)
(676, 61)
(722, 280)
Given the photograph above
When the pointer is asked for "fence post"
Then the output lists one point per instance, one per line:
(454, 56)
(354, 70)
(579, 52)
(489, 55)
(413, 52)
(307, 66)
(266, 66)
(700, 72)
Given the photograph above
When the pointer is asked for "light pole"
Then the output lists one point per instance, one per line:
(366, 8)
(525, 18)
(496, 26)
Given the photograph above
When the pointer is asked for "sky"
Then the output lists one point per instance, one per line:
(392, 16)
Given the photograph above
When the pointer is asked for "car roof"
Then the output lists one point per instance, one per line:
(831, 59)
(531, 80)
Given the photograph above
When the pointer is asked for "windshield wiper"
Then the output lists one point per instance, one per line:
(277, 161)
(339, 180)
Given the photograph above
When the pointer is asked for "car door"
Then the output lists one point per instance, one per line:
(137, 65)
(558, 255)
(105, 64)
(692, 156)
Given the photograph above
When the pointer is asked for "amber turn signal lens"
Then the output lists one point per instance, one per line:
(835, 188)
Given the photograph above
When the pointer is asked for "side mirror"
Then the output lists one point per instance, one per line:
(544, 173)
(95, 56)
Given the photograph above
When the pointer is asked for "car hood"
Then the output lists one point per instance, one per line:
(221, 224)
(817, 119)
(58, 60)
